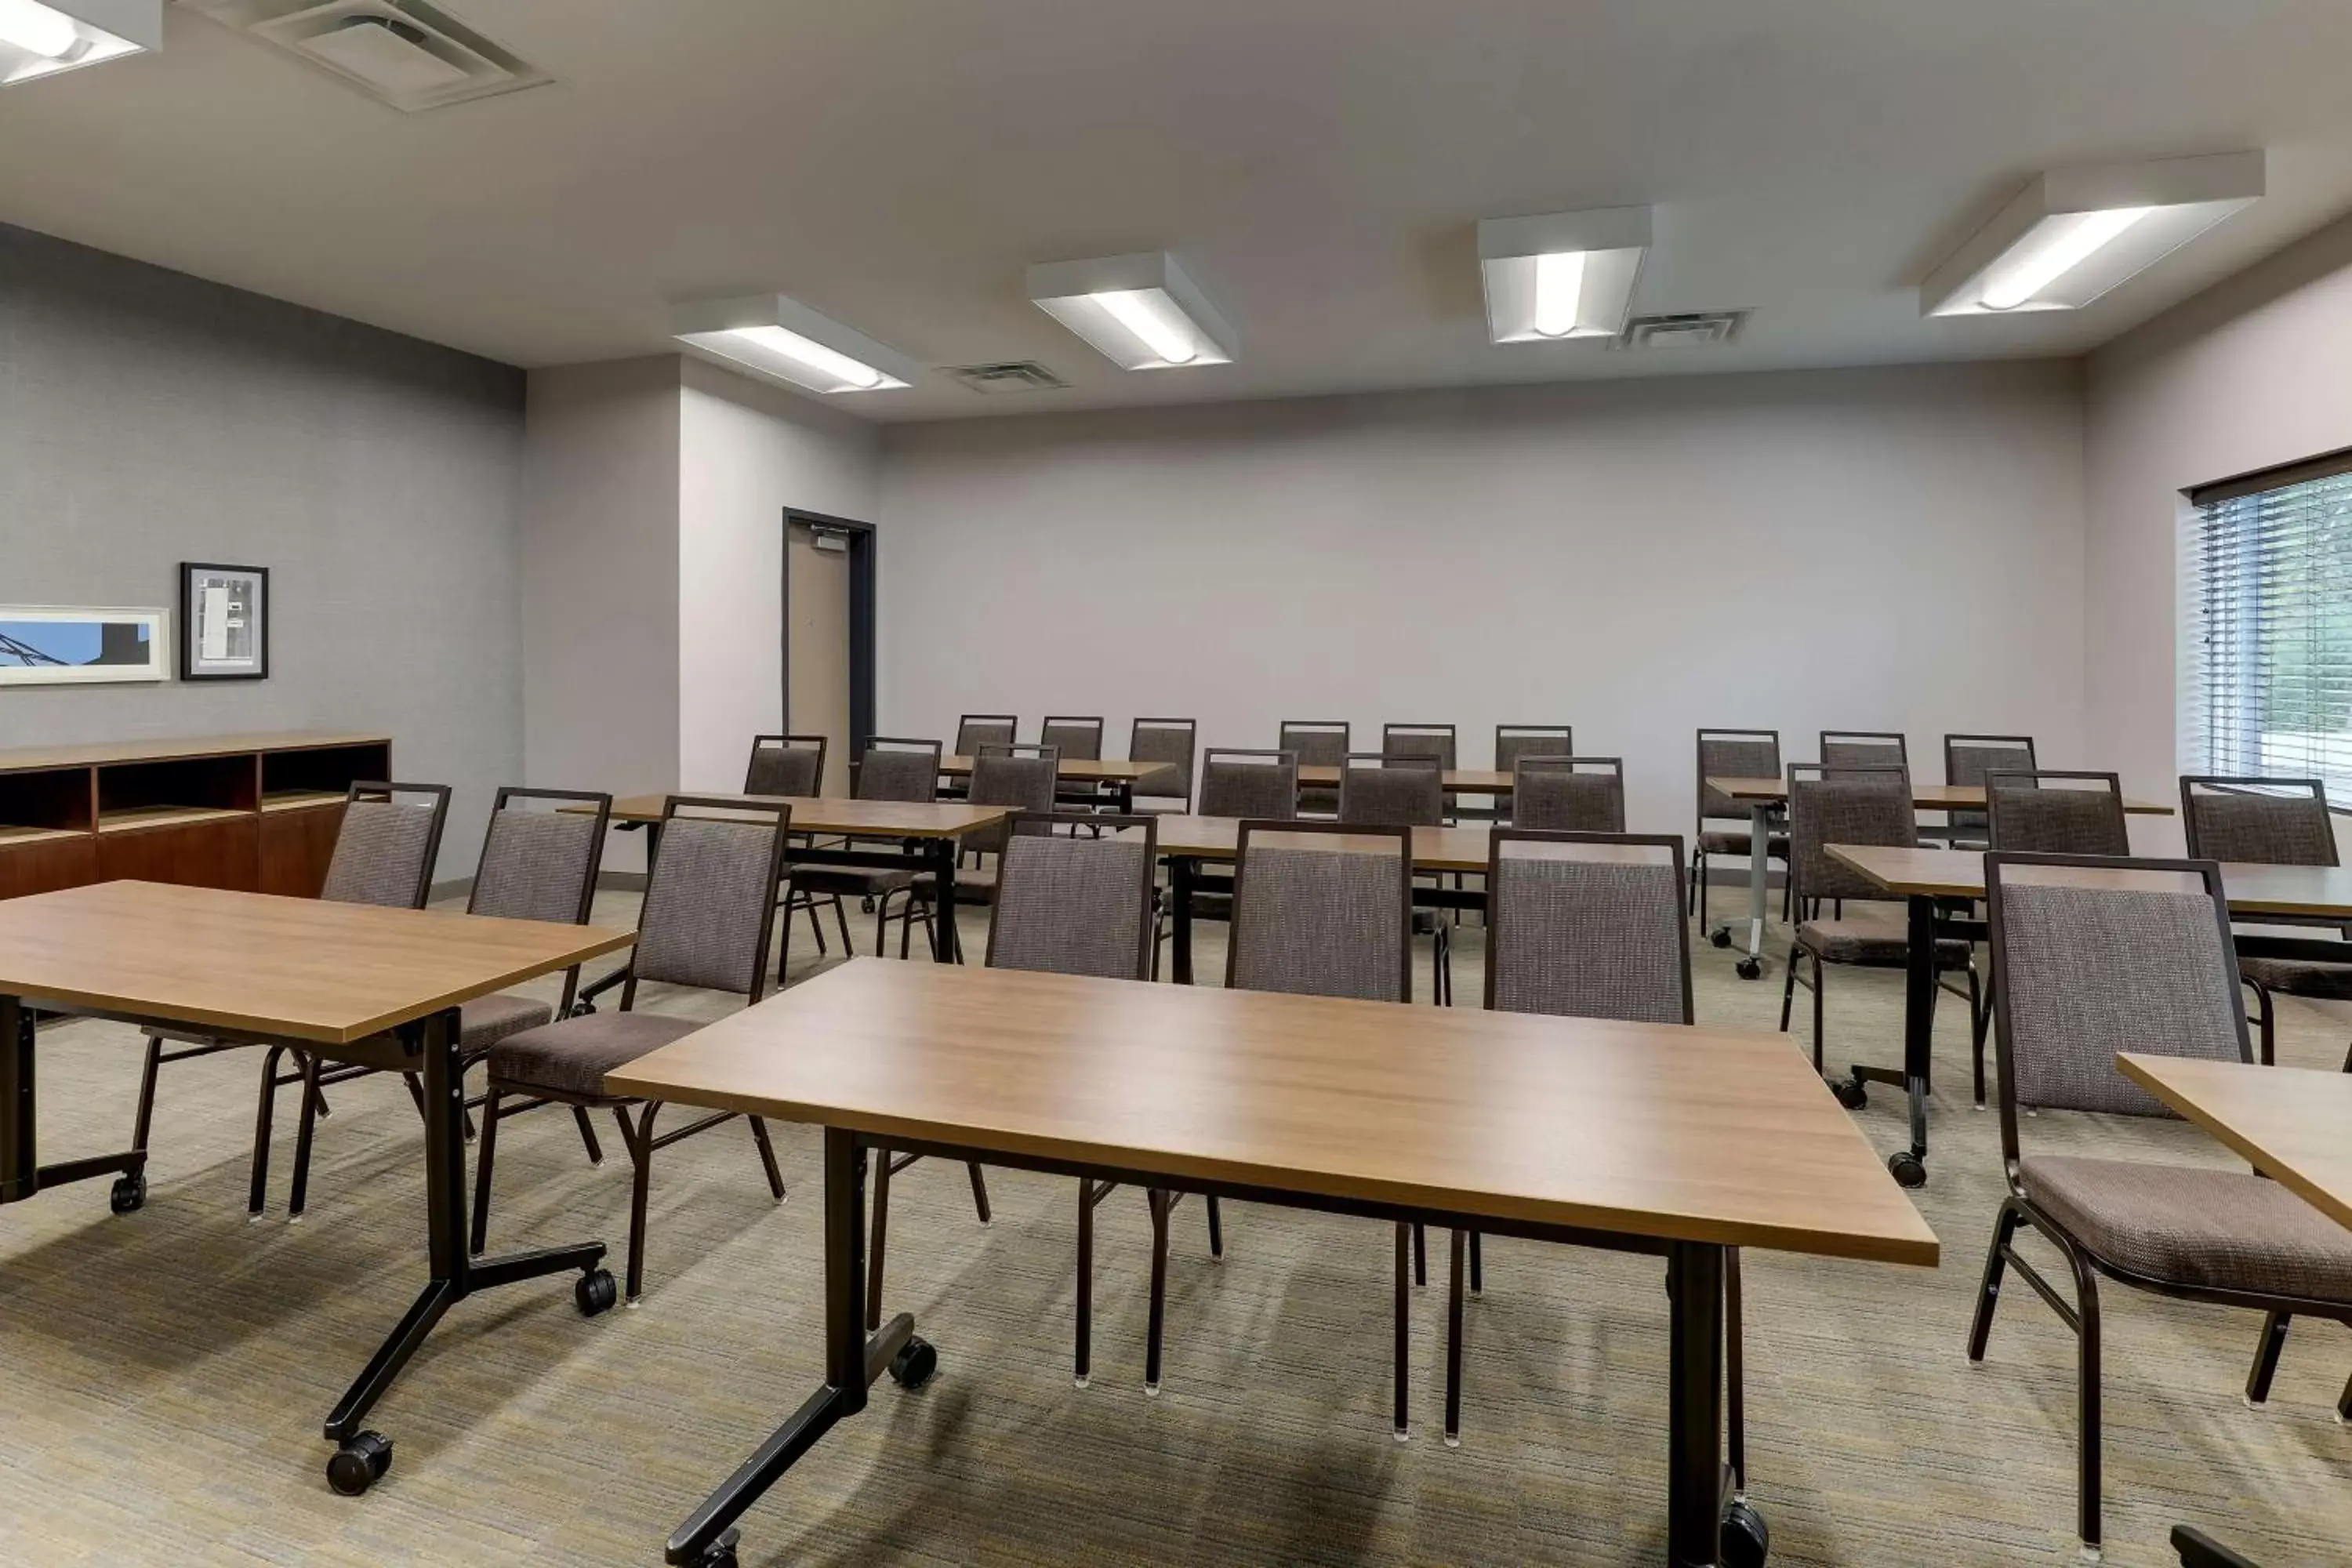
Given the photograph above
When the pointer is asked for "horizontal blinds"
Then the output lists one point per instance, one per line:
(2266, 686)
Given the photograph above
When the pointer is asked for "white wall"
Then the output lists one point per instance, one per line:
(748, 451)
(2256, 371)
(1868, 549)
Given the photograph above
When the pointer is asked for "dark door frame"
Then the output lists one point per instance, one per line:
(861, 621)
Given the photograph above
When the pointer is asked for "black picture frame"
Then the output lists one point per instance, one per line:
(192, 663)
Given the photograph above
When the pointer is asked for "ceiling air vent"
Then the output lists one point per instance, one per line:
(1691, 331)
(1019, 376)
(405, 53)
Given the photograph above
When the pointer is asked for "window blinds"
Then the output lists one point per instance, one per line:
(2267, 621)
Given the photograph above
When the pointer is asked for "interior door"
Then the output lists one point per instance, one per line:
(816, 644)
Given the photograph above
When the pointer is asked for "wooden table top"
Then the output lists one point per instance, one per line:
(1466, 781)
(1658, 1131)
(257, 963)
(1108, 770)
(1434, 848)
(2322, 892)
(2293, 1124)
(1924, 797)
(831, 814)
(29, 759)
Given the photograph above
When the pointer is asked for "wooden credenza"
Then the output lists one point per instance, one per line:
(253, 812)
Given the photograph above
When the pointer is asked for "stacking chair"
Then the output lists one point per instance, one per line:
(2055, 813)
(1966, 760)
(708, 913)
(2091, 956)
(2270, 822)
(785, 765)
(891, 769)
(1433, 741)
(1170, 744)
(384, 853)
(1513, 742)
(1577, 795)
(1853, 805)
(974, 730)
(1023, 777)
(1324, 909)
(1731, 754)
(1843, 749)
(539, 863)
(1074, 739)
(1317, 743)
(1260, 785)
(1406, 791)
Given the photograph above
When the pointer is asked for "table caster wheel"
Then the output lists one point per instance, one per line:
(360, 1463)
(595, 1292)
(916, 1362)
(720, 1553)
(1850, 1092)
(128, 1194)
(1744, 1542)
(1721, 936)
(1750, 968)
(1909, 1169)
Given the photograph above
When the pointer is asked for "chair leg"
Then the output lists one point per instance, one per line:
(1453, 1348)
(2267, 1023)
(816, 929)
(2266, 1357)
(1159, 1202)
(1082, 1352)
(258, 1194)
(641, 1151)
(587, 1132)
(1698, 888)
(1817, 1013)
(300, 1197)
(1789, 994)
(486, 1153)
(979, 1192)
(2344, 1404)
(841, 918)
(878, 1244)
(1735, 1374)
(1400, 1375)
(2086, 1294)
(1477, 1267)
(1420, 1256)
(1216, 1229)
(2004, 1227)
(1979, 1025)
(767, 1157)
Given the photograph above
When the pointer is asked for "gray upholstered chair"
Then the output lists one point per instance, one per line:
(974, 730)
(1260, 785)
(1863, 806)
(1317, 743)
(1435, 741)
(2269, 822)
(1966, 760)
(1073, 740)
(1404, 791)
(1026, 778)
(1170, 744)
(2055, 813)
(1513, 742)
(709, 912)
(891, 769)
(1576, 795)
(1325, 908)
(785, 765)
(384, 852)
(2091, 956)
(1732, 754)
(1843, 749)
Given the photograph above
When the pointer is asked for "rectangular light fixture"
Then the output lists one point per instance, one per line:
(1560, 276)
(774, 336)
(42, 38)
(1139, 311)
(2074, 234)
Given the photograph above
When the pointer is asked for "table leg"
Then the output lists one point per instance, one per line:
(21, 1172)
(946, 945)
(1694, 1474)
(1180, 871)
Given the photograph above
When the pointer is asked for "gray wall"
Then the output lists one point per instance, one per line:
(147, 417)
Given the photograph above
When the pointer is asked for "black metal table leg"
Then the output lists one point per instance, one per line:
(22, 1175)
(946, 947)
(1181, 869)
(1694, 1476)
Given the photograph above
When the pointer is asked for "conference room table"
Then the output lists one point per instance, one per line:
(1764, 796)
(345, 982)
(1701, 1140)
(939, 827)
(1937, 885)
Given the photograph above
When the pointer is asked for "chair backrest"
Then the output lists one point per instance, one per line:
(1844, 806)
(1842, 748)
(1023, 777)
(1733, 754)
(1587, 925)
(1513, 742)
(1075, 903)
(1322, 909)
(1419, 741)
(710, 896)
(539, 863)
(1261, 784)
(1381, 790)
(898, 769)
(1074, 739)
(974, 730)
(1316, 742)
(785, 764)
(1969, 758)
(1564, 794)
(2053, 813)
(1168, 743)
(2091, 956)
(2270, 822)
(386, 846)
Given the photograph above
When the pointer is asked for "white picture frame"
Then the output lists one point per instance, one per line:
(60, 645)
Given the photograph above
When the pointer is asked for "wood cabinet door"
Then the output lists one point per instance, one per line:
(222, 853)
(296, 846)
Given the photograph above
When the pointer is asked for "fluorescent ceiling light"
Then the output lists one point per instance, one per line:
(42, 38)
(784, 339)
(1139, 311)
(1561, 275)
(2074, 234)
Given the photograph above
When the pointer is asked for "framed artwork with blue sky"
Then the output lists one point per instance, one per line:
(47, 645)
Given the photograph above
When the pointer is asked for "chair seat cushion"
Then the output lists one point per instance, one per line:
(2300, 976)
(849, 881)
(571, 1055)
(1721, 841)
(1874, 939)
(2222, 1230)
(486, 1020)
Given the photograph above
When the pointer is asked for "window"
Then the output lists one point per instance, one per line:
(2266, 626)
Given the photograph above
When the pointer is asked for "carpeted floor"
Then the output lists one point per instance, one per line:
(163, 1375)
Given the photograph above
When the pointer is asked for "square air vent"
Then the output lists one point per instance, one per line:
(1017, 376)
(1694, 329)
(405, 53)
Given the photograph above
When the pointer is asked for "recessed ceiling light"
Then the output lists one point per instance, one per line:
(2074, 234)
(42, 38)
(1561, 275)
(783, 338)
(1139, 311)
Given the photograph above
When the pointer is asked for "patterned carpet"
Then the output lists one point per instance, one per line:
(165, 1373)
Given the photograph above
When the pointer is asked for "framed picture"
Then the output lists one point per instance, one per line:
(224, 622)
(48, 645)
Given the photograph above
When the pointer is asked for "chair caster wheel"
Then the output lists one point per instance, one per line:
(360, 1463)
(720, 1553)
(1850, 1092)
(1909, 1169)
(916, 1362)
(1721, 937)
(595, 1292)
(1744, 1541)
(128, 1194)
(1750, 968)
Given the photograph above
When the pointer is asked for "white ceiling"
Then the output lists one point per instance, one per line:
(1318, 165)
